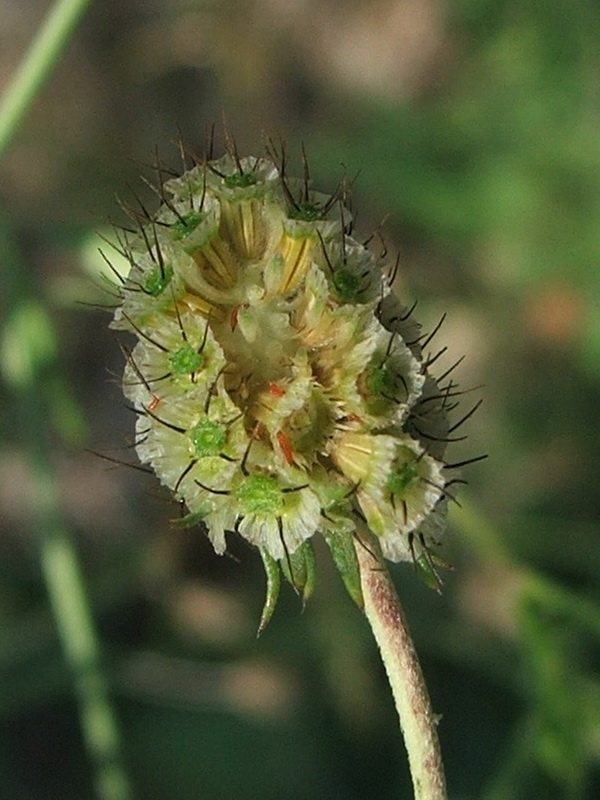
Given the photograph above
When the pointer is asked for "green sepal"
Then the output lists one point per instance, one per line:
(426, 568)
(344, 557)
(273, 584)
(300, 569)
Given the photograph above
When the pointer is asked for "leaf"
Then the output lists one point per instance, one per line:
(273, 584)
(426, 568)
(299, 569)
(342, 549)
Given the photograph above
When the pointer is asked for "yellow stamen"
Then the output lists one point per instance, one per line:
(297, 257)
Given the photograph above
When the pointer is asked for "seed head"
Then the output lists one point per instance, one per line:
(280, 386)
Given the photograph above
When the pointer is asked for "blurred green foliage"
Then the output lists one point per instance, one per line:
(485, 153)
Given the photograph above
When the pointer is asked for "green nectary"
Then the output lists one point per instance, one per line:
(186, 223)
(260, 494)
(239, 180)
(157, 279)
(347, 285)
(185, 360)
(208, 437)
(402, 477)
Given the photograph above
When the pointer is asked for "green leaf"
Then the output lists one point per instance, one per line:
(273, 584)
(344, 557)
(426, 568)
(299, 569)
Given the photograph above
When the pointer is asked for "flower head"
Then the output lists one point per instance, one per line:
(280, 386)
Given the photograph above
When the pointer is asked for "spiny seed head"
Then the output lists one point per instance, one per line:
(280, 386)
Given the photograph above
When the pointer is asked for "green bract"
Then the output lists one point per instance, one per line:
(280, 386)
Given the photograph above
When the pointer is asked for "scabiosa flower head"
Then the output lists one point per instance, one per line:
(281, 388)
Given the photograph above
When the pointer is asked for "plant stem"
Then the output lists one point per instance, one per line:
(65, 585)
(70, 606)
(28, 365)
(61, 570)
(36, 65)
(417, 720)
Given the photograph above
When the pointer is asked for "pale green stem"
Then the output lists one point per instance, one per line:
(69, 601)
(28, 366)
(417, 720)
(36, 65)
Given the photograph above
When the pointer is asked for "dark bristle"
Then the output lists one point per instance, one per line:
(466, 462)
(212, 491)
(119, 277)
(325, 254)
(185, 472)
(467, 416)
(146, 336)
(305, 175)
(429, 338)
(432, 359)
(118, 462)
(391, 277)
(408, 312)
(432, 438)
(160, 193)
(164, 422)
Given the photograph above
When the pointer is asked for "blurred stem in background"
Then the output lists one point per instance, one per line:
(28, 364)
(43, 408)
(36, 66)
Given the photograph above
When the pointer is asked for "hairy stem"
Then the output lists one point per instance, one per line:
(417, 720)
(36, 65)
